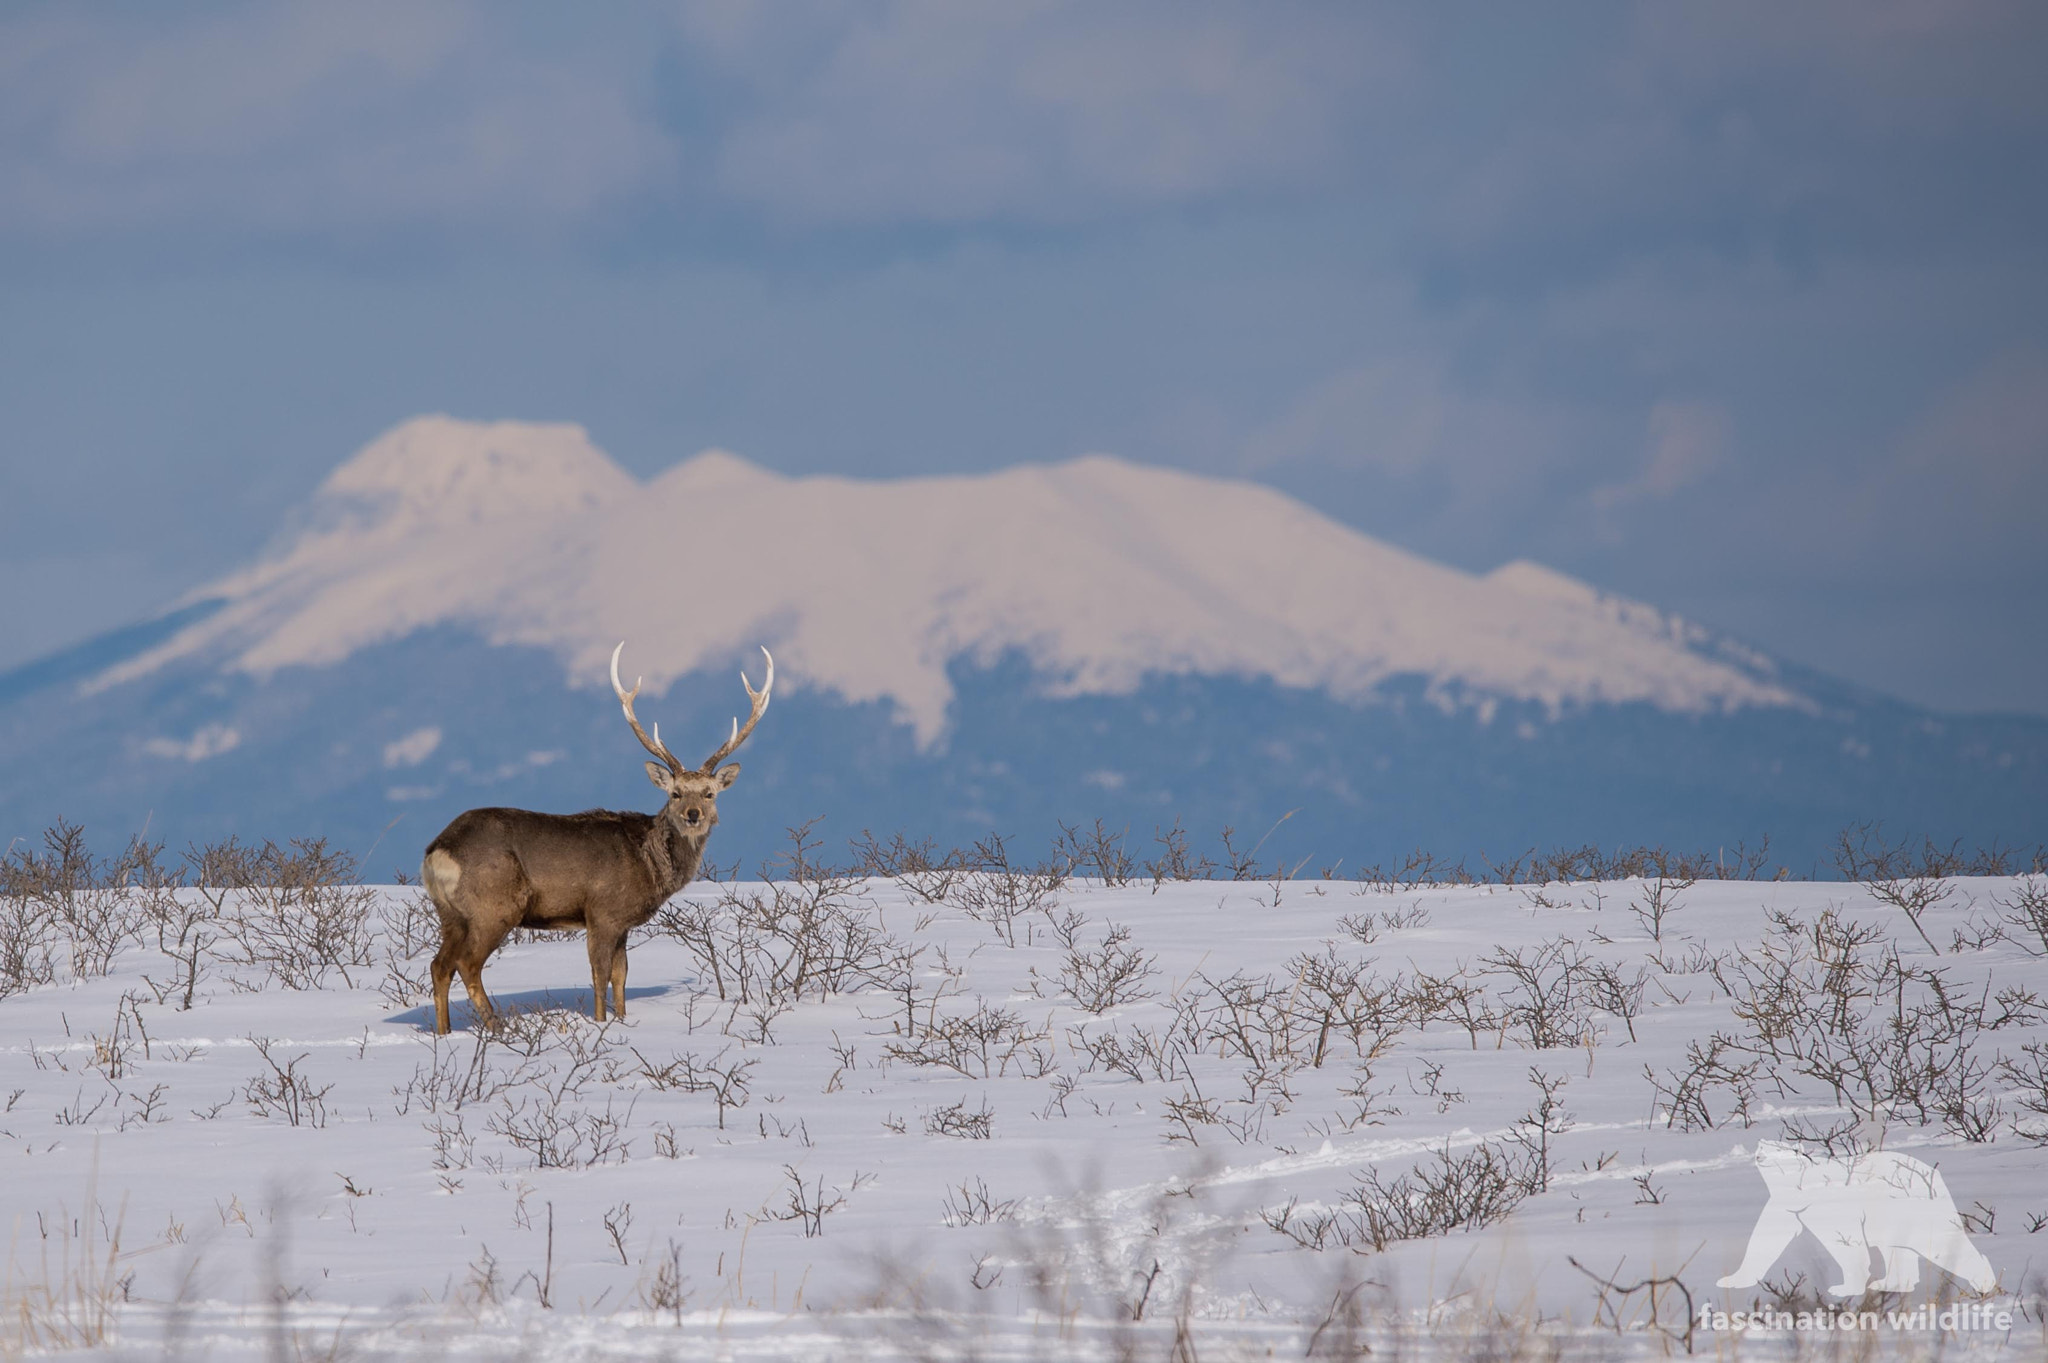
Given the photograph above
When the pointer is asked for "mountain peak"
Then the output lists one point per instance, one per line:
(710, 471)
(440, 469)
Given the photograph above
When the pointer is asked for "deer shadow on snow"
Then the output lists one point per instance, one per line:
(463, 1015)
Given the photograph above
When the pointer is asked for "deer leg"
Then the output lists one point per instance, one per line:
(603, 946)
(444, 973)
(619, 981)
(479, 1001)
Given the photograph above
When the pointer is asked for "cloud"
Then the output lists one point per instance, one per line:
(311, 118)
(1408, 446)
(415, 748)
(211, 741)
(1688, 441)
(1961, 493)
(331, 121)
(1037, 112)
(1389, 415)
(1535, 135)
(1740, 129)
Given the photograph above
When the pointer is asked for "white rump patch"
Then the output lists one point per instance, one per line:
(443, 871)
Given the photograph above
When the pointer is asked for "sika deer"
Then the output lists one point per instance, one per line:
(604, 871)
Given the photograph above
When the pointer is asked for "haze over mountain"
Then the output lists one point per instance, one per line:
(1042, 643)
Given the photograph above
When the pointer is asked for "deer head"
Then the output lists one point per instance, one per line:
(693, 795)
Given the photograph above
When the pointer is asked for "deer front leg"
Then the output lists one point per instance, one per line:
(619, 981)
(607, 962)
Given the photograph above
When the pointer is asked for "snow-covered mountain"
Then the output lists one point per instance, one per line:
(1047, 642)
(1100, 571)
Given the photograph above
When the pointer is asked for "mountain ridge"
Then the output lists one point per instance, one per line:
(1102, 571)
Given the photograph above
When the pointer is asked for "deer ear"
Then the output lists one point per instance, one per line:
(659, 774)
(727, 774)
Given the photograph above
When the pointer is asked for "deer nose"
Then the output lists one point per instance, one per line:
(693, 815)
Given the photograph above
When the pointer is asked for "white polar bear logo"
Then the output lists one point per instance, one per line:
(1879, 1201)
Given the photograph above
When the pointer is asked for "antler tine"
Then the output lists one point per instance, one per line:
(758, 702)
(654, 744)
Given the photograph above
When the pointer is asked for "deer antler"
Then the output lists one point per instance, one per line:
(759, 701)
(654, 744)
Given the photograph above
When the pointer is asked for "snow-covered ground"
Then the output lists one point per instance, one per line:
(929, 1146)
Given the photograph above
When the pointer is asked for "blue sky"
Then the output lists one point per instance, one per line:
(1736, 308)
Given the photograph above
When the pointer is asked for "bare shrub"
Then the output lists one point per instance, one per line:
(972, 1204)
(1175, 861)
(301, 916)
(2027, 911)
(1368, 928)
(1243, 862)
(1609, 991)
(1687, 1093)
(1589, 862)
(1003, 896)
(1456, 1192)
(1107, 976)
(28, 939)
(559, 1135)
(186, 925)
(1137, 1052)
(669, 1289)
(807, 1206)
(1888, 1038)
(806, 932)
(1336, 998)
(988, 1042)
(411, 934)
(1096, 850)
(1456, 998)
(1187, 1110)
(1534, 1130)
(2028, 1073)
(917, 866)
(1548, 998)
(1910, 880)
(285, 1091)
(727, 1082)
(1418, 869)
(62, 905)
(1660, 899)
(1249, 1017)
(450, 1080)
(959, 1120)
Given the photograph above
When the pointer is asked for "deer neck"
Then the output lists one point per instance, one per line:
(672, 859)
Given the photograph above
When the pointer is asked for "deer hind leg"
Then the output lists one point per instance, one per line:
(473, 980)
(481, 901)
(444, 974)
(442, 875)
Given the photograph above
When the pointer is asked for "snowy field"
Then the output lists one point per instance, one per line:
(1005, 1115)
